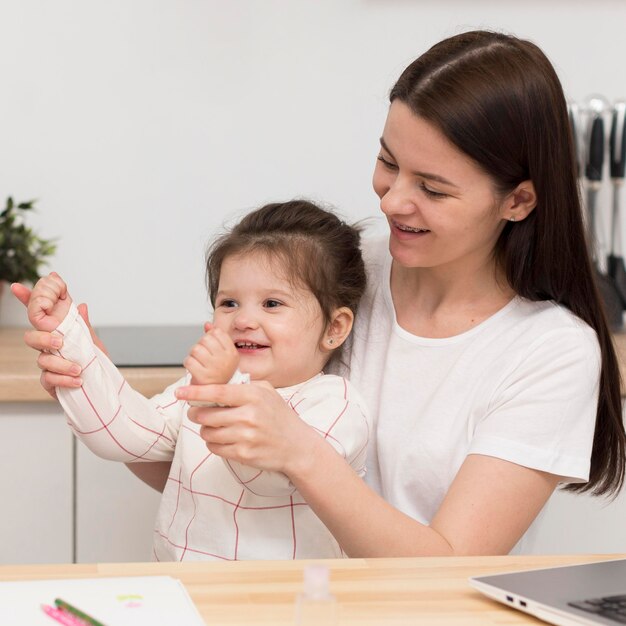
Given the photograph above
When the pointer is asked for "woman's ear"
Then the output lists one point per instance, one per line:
(520, 202)
(338, 329)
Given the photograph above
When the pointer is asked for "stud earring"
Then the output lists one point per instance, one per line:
(331, 341)
(512, 218)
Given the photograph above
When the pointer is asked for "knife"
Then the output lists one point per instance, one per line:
(613, 307)
(617, 151)
(593, 168)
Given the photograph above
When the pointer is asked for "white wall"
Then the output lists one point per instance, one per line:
(141, 125)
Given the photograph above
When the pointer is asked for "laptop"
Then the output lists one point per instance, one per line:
(149, 346)
(591, 593)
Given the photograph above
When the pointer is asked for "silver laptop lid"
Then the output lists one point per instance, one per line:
(550, 593)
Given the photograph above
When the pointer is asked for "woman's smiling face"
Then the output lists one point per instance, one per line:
(442, 209)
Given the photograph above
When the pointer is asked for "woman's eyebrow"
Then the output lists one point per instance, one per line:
(427, 175)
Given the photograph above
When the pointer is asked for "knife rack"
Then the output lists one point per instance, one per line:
(599, 133)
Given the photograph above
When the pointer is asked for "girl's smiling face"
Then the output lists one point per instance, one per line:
(442, 209)
(276, 326)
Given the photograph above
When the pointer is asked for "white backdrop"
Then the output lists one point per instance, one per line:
(142, 125)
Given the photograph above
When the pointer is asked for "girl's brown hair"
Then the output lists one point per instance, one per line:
(499, 100)
(313, 247)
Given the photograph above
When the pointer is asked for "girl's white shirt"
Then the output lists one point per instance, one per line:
(521, 386)
(211, 508)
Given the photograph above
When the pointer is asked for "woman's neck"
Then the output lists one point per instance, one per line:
(440, 302)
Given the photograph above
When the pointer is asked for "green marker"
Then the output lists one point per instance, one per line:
(77, 613)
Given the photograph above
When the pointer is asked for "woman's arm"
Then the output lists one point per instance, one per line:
(332, 408)
(154, 473)
(489, 505)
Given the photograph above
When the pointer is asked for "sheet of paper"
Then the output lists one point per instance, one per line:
(119, 601)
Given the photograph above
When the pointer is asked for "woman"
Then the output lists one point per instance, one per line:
(481, 346)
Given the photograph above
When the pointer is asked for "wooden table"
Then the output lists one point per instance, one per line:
(429, 591)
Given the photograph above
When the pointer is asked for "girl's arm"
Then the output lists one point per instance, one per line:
(487, 509)
(59, 372)
(110, 417)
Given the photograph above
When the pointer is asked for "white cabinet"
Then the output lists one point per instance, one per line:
(115, 511)
(57, 511)
(35, 484)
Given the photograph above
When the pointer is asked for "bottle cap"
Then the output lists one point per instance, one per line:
(316, 579)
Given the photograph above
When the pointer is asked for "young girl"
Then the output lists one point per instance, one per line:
(285, 284)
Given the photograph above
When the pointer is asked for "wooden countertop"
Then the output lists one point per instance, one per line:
(19, 374)
(368, 591)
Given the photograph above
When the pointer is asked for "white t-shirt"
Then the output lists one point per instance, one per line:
(521, 386)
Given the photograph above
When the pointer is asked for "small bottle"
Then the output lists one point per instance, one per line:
(316, 605)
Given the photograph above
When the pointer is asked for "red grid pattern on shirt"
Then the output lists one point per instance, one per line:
(196, 493)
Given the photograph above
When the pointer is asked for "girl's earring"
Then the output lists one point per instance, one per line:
(512, 218)
(331, 341)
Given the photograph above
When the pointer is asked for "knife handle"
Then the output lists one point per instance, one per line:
(573, 114)
(595, 149)
(618, 140)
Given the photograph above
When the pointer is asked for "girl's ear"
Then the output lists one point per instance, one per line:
(338, 329)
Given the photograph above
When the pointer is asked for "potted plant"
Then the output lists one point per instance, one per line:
(22, 252)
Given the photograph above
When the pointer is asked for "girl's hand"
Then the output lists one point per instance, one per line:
(253, 426)
(48, 303)
(213, 359)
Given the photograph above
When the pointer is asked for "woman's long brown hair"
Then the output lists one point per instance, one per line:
(499, 100)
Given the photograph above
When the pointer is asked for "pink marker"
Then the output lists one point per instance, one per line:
(63, 617)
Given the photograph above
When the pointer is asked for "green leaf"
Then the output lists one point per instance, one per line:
(8, 208)
(22, 251)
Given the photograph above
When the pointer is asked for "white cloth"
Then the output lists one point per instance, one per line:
(210, 509)
(521, 386)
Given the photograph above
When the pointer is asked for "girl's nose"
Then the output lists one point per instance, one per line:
(245, 320)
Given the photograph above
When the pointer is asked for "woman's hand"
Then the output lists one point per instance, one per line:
(56, 371)
(254, 426)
